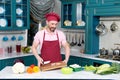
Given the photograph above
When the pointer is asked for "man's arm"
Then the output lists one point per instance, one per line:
(67, 51)
(35, 52)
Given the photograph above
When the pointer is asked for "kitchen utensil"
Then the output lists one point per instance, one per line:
(103, 51)
(46, 62)
(67, 23)
(20, 38)
(51, 66)
(113, 27)
(79, 44)
(82, 38)
(5, 38)
(72, 43)
(101, 29)
(116, 51)
(75, 39)
(13, 38)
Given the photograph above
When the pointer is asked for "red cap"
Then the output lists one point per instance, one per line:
(52, 17)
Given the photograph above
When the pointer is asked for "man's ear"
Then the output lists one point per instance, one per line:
(46, 22)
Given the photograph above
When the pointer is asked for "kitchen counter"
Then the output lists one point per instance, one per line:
(7, 73)
(75, 51)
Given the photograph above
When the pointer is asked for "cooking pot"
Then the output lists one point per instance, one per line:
(116, 51)
(103, 51)
(113, 27)
(101, 29)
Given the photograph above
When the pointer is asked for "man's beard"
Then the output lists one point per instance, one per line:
(52, 29)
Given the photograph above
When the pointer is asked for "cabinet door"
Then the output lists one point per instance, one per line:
(22, 14)
(14, 14)
(85, 61)
(73, 60)
(2, 64)
(73, 14)
(99, 62)
(28, 60)
(6, 14)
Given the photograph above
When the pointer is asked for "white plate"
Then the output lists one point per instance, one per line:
(18, 1)
(3, 22)
(19, 22)
(2, 10)
(19, 11)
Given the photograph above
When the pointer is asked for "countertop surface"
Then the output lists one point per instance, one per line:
(7, 73)
(75, 51)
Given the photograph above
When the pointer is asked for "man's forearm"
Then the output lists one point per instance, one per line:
(67, 52)
(34, 51)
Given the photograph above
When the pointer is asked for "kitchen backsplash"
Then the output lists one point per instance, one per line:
(76, 39)
(11, 38)
(108, 40)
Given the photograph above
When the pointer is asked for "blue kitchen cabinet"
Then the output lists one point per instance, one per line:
(99, 62)
(78, 60)
(72, 60)
(99, 3)
(94, 10)
(108, 11)
(85, 61)
(28, 60)
(92, 39)
(104, 7)
(1, 64)
(73, 14)
(14, 14)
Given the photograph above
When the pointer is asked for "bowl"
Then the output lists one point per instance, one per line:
(66, 70)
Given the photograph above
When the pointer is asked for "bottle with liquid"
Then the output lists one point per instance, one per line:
(18, 47)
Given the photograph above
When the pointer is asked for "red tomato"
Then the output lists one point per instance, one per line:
(32, 65)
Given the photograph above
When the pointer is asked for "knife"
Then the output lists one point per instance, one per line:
(46, 62)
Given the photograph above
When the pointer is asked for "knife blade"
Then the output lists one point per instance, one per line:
(46, 62)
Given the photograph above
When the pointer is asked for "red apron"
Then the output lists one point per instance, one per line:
(50, 50)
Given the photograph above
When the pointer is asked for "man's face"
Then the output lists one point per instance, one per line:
(52, 25)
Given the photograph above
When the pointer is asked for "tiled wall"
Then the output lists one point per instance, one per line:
(108, 40)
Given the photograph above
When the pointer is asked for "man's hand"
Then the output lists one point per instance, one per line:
(65, 61)
(40, 61)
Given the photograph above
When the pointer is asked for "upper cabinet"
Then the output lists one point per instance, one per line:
(104, 7)
(93, 3)
(73, 14)
(14, 14)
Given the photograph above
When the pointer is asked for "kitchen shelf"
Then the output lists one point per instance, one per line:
(10, 14)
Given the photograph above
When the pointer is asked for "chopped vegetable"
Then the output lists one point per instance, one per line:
(90, 68)
(104, 66)
(108, 69)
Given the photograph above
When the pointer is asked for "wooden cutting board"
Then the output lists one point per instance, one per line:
(51, 66)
